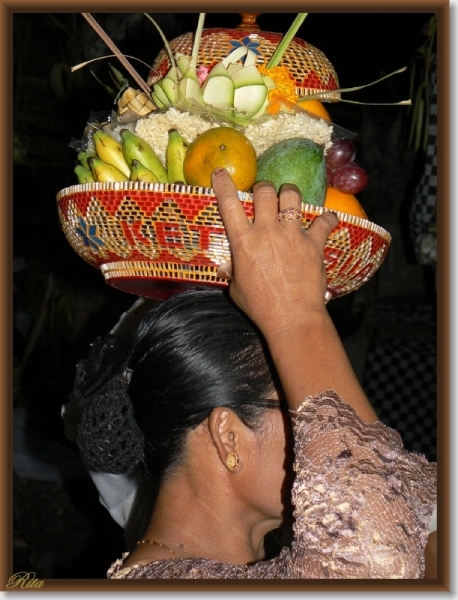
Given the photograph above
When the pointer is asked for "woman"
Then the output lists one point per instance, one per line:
(208, 396)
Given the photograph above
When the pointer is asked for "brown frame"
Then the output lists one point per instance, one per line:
(442, 583)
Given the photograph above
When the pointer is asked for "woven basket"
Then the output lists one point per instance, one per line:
(310, 68)
(156, 239)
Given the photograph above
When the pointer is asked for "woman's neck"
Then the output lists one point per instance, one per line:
(194, 518)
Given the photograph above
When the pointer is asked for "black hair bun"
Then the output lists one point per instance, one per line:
(109, 438)
(106, 362)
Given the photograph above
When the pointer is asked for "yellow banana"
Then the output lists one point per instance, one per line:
(104, 172)
(84, 175)
(139, 172)
(110, 151)
(134, 148)
(176, 150)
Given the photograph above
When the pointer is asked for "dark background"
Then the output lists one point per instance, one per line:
(61, 303)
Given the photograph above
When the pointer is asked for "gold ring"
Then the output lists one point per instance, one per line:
(290, 214)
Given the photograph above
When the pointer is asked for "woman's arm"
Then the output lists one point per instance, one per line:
(279, 281)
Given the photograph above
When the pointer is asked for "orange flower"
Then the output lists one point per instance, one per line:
(275, 102)
(284, 91)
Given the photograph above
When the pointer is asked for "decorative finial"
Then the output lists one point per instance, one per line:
(249, 21)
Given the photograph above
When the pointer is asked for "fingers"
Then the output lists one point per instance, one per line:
(321, 227)
(289, 195)
(265, 202)
(230, 208)
(290, 204)
(225, 270)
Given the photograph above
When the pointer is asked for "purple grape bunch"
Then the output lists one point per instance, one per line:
(342, 172)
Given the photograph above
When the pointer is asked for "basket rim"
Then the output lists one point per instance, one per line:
(131, 186)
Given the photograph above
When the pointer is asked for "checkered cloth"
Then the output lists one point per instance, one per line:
(423, 209)
(400, 381)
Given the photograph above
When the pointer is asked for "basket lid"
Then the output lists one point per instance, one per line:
(309, 67)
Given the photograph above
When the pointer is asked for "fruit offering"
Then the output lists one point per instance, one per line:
(239, 83)
(235, 113)
(181, 147)
(290, 148)
(144, 212)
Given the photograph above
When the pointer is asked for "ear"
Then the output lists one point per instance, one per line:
(226, 432)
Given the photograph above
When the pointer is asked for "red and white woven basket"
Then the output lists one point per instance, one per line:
(156, 239)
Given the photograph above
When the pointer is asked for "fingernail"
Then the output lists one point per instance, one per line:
(223, 274)
(218, 171)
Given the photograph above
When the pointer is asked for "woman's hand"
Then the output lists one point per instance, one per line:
(279, 281)
(278, 273)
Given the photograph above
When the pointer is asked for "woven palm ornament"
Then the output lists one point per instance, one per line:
(309, 67)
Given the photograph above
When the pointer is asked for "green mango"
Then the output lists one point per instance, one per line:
(299, 161)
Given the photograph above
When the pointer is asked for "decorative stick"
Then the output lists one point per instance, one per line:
(278, 54)
(164, 39)
(197, 38)
(119, 55)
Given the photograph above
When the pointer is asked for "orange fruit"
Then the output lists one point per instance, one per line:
(221, 147)
(346, 203)
(316, 107)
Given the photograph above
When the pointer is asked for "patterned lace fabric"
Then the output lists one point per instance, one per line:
(362, 506)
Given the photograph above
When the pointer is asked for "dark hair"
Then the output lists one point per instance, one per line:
(194, 352)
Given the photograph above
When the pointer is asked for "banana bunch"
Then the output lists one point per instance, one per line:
(132, 159)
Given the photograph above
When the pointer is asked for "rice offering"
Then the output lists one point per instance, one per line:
(263, 133)
(285, 126)
(154, 128)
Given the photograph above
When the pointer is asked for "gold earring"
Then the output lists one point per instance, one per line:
(232, 462)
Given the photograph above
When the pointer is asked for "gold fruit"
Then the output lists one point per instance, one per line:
(221, 147)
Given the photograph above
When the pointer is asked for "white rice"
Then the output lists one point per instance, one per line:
(286, 126)
(154, 129)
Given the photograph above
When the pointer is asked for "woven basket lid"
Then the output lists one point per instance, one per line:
(310, 68)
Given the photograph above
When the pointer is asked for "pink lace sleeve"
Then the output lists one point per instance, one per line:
(362, 502)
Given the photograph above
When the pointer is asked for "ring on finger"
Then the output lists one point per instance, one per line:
(290, 214)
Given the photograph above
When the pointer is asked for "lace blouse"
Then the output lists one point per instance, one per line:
(362, 506)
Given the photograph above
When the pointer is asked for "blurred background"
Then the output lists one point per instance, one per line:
(61, 304)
